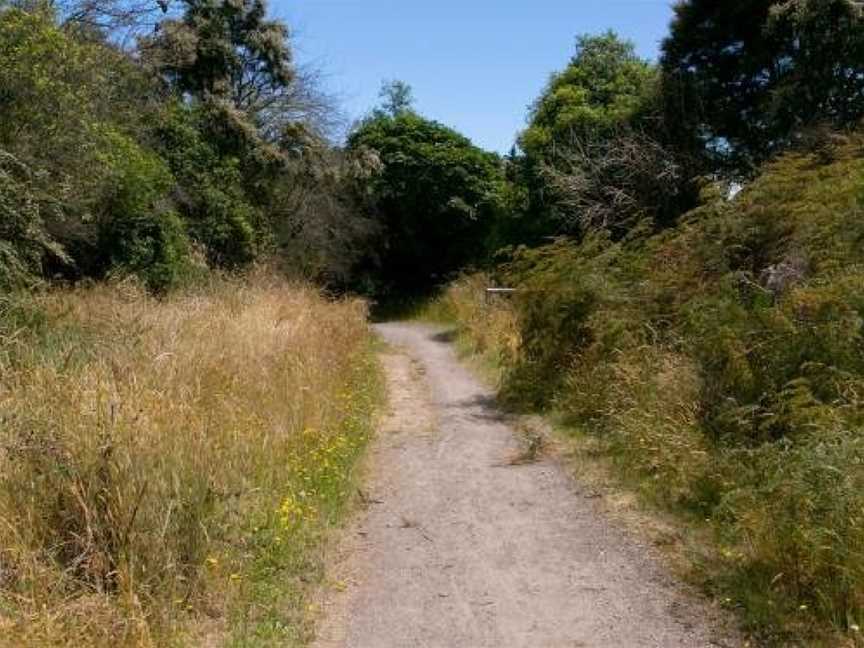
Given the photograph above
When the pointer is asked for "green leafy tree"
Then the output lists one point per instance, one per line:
(231, 71)
(748, 77)
(604, 86)
(211, 194)
(435, 198)
(596, 155)
(59, 94)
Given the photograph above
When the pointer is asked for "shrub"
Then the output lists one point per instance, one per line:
(139, 233)
(24, 243)
(720, 364)
(210, 190)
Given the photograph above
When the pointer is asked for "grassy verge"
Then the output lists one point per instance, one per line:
(168, 468)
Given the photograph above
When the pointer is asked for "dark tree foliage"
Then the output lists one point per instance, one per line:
(747, 77)
(435, 198)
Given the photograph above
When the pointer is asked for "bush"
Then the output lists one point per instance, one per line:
(60, 93)
(720, 364)
(24, 243)
(138, 232)
(210, 190)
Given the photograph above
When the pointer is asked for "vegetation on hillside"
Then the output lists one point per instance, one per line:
(720, 365)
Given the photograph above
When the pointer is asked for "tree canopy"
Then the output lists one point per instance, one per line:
(435, 197)
(749, 76)
(603, 86)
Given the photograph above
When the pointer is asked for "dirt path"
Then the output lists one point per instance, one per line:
(459, 549)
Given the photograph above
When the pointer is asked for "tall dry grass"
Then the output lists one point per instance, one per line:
(488, 328)
(164, 462)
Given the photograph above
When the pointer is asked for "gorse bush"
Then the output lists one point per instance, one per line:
(139, 233)
(173, 457)
(721, 363)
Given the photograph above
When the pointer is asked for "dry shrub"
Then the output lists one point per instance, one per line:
(652, 420)
(150, 451)
(487, 323)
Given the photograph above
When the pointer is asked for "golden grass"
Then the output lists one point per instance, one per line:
(164, 462)
(487, 325)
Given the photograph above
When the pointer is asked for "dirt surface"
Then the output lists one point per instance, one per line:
(461, 545)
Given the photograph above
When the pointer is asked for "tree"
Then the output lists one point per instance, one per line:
(230, 69)
(65, 103)
(604, 85)
(226, 50)
(596, 148)
(397, 97)
(435, 199)
(748, 77)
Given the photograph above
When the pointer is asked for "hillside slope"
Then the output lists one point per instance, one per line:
(721, 365)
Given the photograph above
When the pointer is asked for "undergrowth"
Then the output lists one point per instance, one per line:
(720, 366)
(168, 467)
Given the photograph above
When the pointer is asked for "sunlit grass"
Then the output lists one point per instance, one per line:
(168, 468)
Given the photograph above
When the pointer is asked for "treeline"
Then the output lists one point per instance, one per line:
(161, 142)
(168, 139)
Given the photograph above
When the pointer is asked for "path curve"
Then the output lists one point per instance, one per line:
(458, 549)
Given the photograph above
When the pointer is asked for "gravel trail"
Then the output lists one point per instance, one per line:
(456, 548)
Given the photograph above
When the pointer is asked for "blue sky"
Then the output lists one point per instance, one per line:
(474, 65)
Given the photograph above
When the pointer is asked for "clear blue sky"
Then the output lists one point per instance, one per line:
(474, 65)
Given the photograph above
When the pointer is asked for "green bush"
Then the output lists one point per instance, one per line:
(24, 243)
(139, 233)
(211, 195)
(720, 364)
